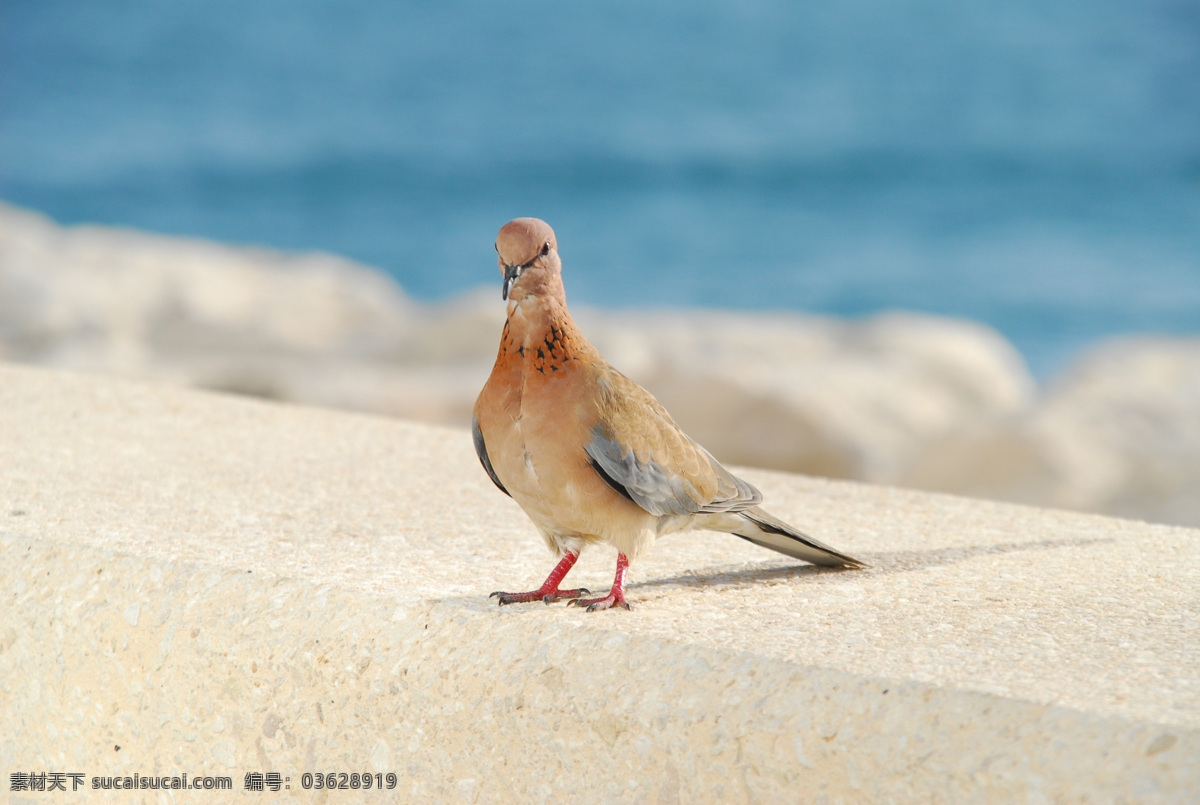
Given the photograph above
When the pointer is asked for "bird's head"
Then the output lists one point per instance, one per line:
(528, 258)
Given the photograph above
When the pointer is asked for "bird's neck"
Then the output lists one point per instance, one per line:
(541, 336)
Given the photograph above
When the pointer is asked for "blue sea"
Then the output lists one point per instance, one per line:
(1033, 165)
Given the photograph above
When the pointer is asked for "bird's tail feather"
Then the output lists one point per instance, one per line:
(769, 531)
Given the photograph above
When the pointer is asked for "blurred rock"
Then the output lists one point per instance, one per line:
(310, 328)
(1118, 433)
(897, 398)
(818, 395)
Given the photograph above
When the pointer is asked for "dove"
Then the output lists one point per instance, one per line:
(588, 454)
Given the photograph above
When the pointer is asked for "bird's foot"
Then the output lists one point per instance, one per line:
(548, 593)
(616, 598)
(546, 596)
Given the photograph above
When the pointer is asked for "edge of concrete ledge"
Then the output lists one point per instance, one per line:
(160, 632)
(111, 650)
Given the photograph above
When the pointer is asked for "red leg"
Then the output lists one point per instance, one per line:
(615, 597)
(549, 591)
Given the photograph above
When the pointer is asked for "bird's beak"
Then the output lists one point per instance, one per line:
(511, 273)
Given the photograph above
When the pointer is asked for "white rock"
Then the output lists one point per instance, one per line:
(819, 395)
(124, 301)
(1118, 433)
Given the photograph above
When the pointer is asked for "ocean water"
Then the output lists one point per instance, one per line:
(1032, 165)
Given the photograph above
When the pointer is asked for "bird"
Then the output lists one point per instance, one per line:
(588, 454)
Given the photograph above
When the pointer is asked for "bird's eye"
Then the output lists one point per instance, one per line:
(545, 248)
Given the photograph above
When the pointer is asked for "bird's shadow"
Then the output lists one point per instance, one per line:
(878, 564)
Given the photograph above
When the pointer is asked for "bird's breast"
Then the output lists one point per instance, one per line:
(536, 414)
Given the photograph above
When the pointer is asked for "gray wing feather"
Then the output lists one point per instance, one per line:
(660, 491)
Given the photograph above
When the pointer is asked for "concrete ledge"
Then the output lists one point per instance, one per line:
(220, 586)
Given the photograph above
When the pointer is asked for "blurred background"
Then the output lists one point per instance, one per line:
(1031, 167)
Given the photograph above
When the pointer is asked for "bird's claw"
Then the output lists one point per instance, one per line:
(598, 604)
(570, 595)
(546, 597)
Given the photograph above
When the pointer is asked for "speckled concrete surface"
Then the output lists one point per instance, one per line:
(222, 586)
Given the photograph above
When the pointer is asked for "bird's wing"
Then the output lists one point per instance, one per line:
(481, 451)
(640, 452)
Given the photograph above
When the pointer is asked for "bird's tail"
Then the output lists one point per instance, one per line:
(769, 531)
